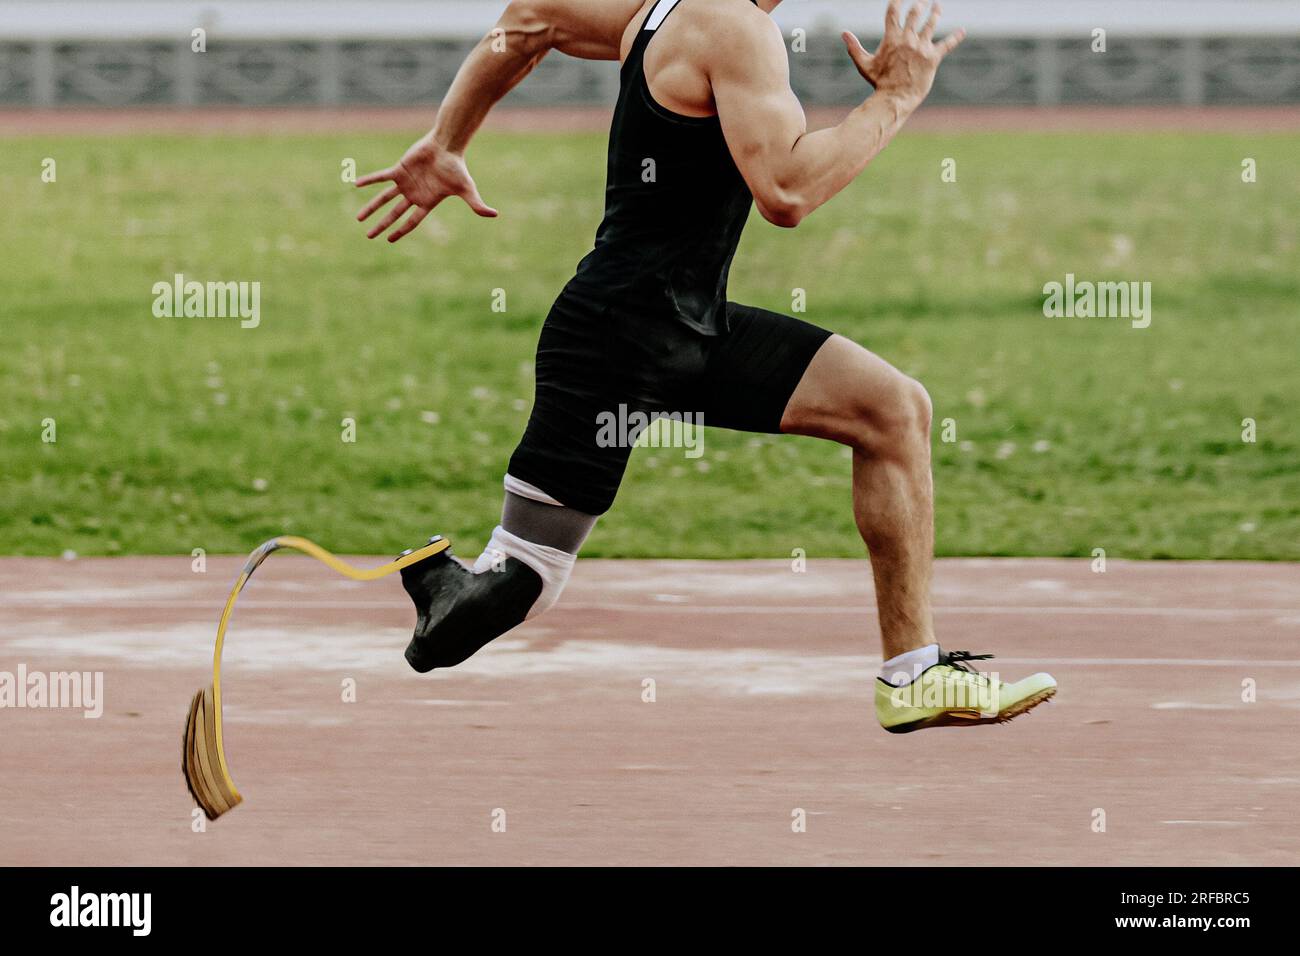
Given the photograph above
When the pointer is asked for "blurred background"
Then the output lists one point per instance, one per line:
(1169, 156)
(404, 52)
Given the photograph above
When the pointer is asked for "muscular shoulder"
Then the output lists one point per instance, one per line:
(705, 43)
(729, 21)
(734, 33)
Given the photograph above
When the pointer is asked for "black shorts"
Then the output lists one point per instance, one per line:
(598, 362)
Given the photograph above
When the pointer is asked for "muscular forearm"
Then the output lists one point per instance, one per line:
(526, 32)
(434, 167)
(496, 65)
(823, 163)
(791, 171)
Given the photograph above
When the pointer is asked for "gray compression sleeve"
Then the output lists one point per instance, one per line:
(553, 526)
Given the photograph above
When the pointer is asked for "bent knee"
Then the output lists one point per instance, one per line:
(892, 419)
(854, 397)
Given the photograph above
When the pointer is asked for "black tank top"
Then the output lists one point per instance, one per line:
(675, 205)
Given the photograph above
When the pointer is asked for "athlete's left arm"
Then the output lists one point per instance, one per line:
(434, 167)
(790, 171)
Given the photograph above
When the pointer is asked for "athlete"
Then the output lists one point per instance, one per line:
(705, 127)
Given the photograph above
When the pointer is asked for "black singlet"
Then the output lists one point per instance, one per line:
(675, 205)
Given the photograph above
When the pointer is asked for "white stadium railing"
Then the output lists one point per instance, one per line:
(330, 52)
(394, 19)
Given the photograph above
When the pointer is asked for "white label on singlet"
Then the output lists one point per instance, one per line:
(658, 14)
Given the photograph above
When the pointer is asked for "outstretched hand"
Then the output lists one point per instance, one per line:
(425, 176)
(905, 62)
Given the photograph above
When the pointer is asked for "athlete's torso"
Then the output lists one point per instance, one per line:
(675, 204)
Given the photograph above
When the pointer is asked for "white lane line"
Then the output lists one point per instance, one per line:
(1143, 662)
(1189, 705)
(948, 609)
(1207, 823)
(799, 609)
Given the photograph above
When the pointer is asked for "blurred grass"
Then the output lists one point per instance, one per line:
(1072, 434)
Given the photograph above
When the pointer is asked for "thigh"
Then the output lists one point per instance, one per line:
(599, 367)
(754, 369)
(851, 395)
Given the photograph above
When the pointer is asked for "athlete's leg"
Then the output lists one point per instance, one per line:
(520, 574)
(544, 523)
(564, 474)
(858, 399)
(775, 373)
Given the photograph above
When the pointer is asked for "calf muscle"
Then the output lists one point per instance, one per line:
(856, 398)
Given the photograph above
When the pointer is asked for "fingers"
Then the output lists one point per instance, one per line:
(893, 19)
(949, 43)
(475, 202)
(927, 32)
(472, 199)
(379, 176)
(393, 215)
(857, 52)
(913, 15)
(413, 220)
(376, 202)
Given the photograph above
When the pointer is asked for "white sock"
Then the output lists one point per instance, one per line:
(523, 489)
(552, 565)
(907, 667)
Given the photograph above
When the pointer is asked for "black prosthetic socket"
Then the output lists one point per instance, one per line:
(458, 611)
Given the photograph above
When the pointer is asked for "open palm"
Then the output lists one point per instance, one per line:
(425, 176)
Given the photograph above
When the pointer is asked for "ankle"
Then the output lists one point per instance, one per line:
(902, 669)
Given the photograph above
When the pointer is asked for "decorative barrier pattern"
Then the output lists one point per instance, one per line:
(1044, 71)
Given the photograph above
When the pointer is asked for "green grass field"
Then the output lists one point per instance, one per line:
(1072, 434)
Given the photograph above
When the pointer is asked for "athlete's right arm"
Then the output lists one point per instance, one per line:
(789, 170)
(526, 32)
(434, 167)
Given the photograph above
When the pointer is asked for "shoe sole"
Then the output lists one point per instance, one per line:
(973, 718)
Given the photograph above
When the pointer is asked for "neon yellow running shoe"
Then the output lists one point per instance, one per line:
(950, 694)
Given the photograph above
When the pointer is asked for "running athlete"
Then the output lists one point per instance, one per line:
(705, 103)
